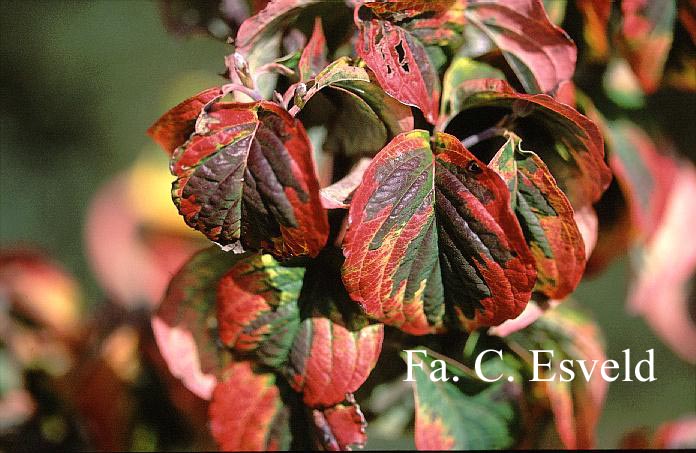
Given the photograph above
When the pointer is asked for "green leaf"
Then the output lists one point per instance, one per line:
(448, 418)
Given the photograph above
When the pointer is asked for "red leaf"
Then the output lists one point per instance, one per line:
(174, 127)
(267, 22)
(246, 412)
(41, 291)
(644, 174)
(646, 36)
(596, 15)
(328, 361)
(313, 58)
(433, 225)
(341, 427)
(540, 53)
(247, 175)
(399, 61)
(546, 217)
(663, 291)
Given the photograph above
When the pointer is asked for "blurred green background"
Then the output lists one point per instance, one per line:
(82, 81)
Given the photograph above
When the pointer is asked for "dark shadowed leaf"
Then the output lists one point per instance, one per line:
(246, 412)
(459, 71)
(431, 223)
(569, 143)
(247, 175)
(184, 321)
(546, 218)
(448, 418)
(361, 116)
(174, 127)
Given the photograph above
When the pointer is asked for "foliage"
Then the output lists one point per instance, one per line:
(448, 191)
(379, 176)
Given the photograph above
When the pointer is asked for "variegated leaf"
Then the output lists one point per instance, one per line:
(431, 223)
(247, 176)
(569, 143)
(184, 322)
(546, 218)
(246, 411)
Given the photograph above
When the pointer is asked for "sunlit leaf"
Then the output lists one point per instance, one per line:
(313, 58)
(328, 360)
(540, 53)
(247, 176)
(431, 223)
(397, 56)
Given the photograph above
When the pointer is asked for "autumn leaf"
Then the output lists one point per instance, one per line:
(450, 418)
(576, 405)
(398, 58)
(569, 143)
(546, 218)
(173, 128)
(40, 290)
(246, 411)
(257, 308)
(596, 14)
(663, 290)
(341, 427)
(646, 36)
(431, 223)
(644, 174)
(361, 116)
(182, 323)
(247, 176)
(328, 361)
(313, 58)
(540, 53)
(324, 351)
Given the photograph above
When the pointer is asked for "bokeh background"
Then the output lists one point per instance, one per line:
(82, 81)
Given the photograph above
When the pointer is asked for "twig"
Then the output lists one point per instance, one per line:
(228, 88)
(491, 132)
